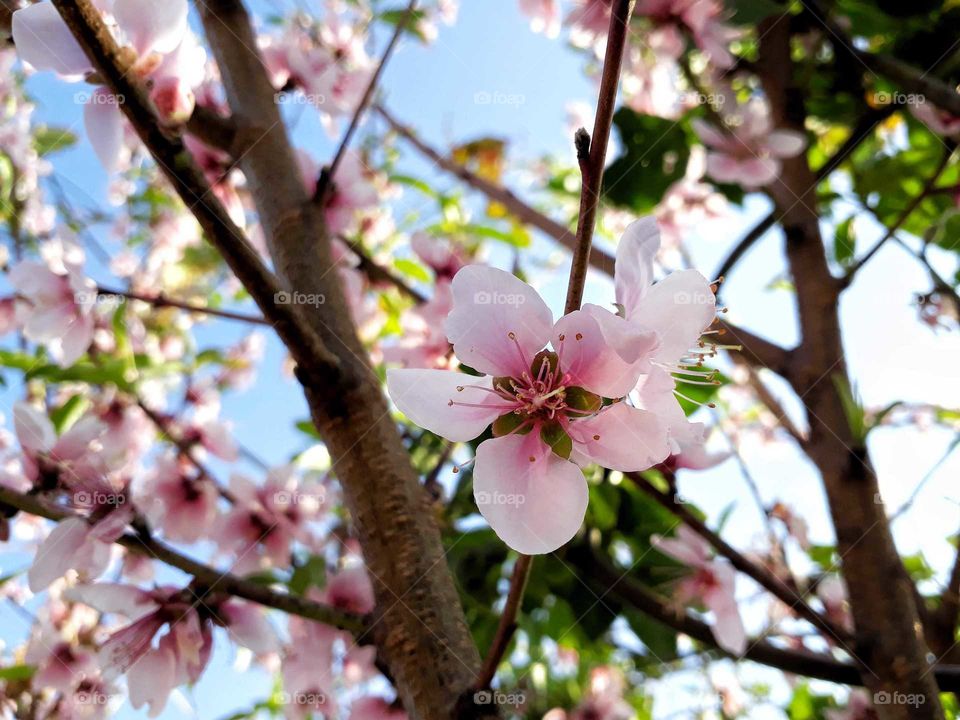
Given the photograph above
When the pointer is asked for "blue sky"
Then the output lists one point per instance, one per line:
(434, 89)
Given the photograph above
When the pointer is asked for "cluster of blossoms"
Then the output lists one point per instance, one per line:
(603, 393)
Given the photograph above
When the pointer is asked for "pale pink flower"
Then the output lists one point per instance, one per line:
(749, 150)
(55, 308)
(350, 589)
(440, 255)
(704, 20)
(589, 22)
(423, 343)
(184, 507)
(689, 202)
(546, 406)
(939, 121)
(544, 16)
(353, 190)
(712, 582)
(832, 592)
(678, 309)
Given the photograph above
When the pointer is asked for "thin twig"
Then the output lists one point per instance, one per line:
(508, 621)
(592, 169)
(326, 180)
(905, 215)
(162, 301)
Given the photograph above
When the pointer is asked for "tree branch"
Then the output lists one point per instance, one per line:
(326, 179)
(177, 165)
(799, 662)
(162, 301)
(146, 545)
(790, 596)
(423, 635)
(889, 640)
(593, 166)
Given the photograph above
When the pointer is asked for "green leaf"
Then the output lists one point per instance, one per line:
(412, 269)
(67, 414)
(312, 573)
(17, 673)
(654, 156)
(51, 139)
(844, 242)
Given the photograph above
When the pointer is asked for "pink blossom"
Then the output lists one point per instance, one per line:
(183, 507)
(703, 18)
(165, 52)
(712, 583)
(55, 308)
(939, 121)
(689, 202)
(423, 343)
(589, 22)
(678, 309)
(546, 406)
(441, 256)
(748, 153)
(353, 190)
(544, 16)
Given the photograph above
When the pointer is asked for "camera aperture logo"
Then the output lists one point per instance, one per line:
(499, 298)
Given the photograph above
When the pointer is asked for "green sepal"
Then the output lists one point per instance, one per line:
(556, 437)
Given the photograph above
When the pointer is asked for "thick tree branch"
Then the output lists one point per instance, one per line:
(210, 578)
(521, 210)
(889, 638)
(422, 634)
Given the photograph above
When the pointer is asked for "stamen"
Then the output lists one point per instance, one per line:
(513, 336)
(458, 468)
(695, 402)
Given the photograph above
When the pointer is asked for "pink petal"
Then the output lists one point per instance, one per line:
(35, 280)
(152, 26)
(34, 429)
(785, 143)
(126, 647)
(757, 172)
(58, 553)
(725, 168)
(655, 393)
(728, 625)
(498, 322)
(622, 438)
(424, 396)
(532, 498)
(151, 680)
(710, 135)
(606, 358)
(687, 547)
(44, 40)
(633, 272)
(248, 625)
(114, 598)
(351, 589)
(104, 124)
(678, 308)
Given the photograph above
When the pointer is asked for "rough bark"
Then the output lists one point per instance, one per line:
(888, 637)
(421, 630)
